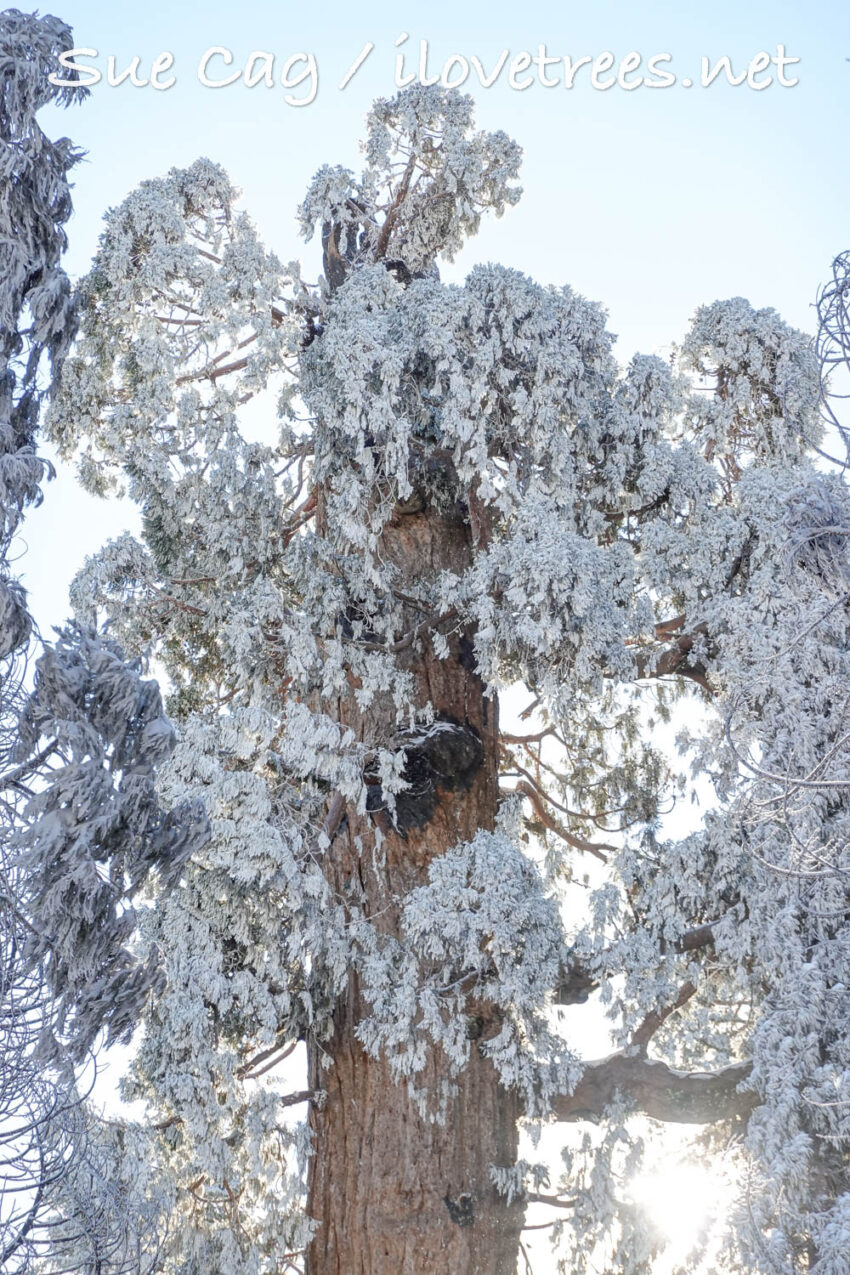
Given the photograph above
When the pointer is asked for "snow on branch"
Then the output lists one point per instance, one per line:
(656, 1090)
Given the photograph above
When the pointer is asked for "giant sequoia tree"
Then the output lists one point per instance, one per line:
(369, 506)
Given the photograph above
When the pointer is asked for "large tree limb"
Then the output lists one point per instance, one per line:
(658, 1091)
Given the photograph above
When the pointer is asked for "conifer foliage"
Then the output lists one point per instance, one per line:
(76, 755)
(457, 490)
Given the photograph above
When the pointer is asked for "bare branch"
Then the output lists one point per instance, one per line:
(654, 1020)
(536, 798)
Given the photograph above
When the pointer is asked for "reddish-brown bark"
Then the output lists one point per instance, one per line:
(393, 1191)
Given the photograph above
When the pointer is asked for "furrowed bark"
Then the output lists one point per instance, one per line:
(395, 1192)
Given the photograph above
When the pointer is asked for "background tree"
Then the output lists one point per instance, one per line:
(67, 1201)
(461, 493)
(36, 1143)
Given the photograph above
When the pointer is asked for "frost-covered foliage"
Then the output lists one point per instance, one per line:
(228, 1000)
(765, 382)
(482, 927)
(67, 1200)
(428, 179)
(36, 322)
(102, 1205)
(767, 873)
(94, 830)
(461, 476)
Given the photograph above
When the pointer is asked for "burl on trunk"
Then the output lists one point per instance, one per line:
(391, 1191)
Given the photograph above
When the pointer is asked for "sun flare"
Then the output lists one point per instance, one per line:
(687, 1203)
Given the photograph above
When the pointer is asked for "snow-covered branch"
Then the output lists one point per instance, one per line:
(654, 1089)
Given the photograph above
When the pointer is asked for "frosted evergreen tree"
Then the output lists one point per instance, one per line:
(460, 491)
(76, 754)
(38, 1107)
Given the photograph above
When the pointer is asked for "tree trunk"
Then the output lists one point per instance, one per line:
(398, 1195)
(393, 1192)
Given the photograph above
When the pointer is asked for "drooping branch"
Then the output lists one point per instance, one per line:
(659, 1091)
(537, 799)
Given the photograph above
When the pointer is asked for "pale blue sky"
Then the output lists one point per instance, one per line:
(652, 201)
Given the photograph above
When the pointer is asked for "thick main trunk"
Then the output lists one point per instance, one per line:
(394, 1192)
(398, 1195)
